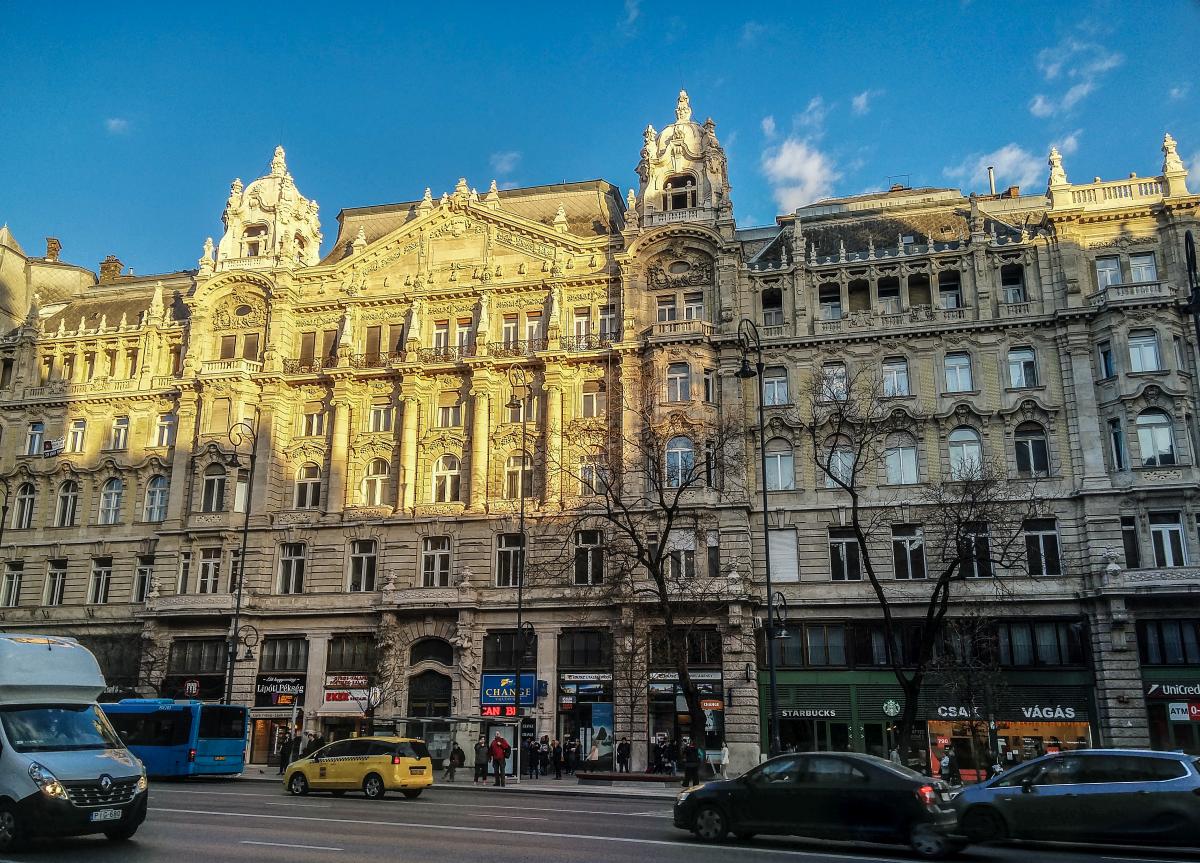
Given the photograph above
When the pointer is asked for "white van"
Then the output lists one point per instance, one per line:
(63, 770)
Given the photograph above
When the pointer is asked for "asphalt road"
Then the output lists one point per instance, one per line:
(215, 822)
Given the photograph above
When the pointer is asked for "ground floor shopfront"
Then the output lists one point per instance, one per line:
(1027, 714)
(1173, 707)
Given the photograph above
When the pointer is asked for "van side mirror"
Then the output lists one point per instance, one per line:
(1027, 785)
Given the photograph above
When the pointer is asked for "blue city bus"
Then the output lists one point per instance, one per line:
(182, 738)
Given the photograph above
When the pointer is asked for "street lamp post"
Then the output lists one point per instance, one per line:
(749, 340)
(239, 433)
(519, 378)
(4, 508)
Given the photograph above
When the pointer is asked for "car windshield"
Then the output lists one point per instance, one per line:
(59, 728)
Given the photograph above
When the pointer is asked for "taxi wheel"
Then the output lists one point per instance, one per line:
(412, 793)
(373, 786)
(298, 785)
(10, 829)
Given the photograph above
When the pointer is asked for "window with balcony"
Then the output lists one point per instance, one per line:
(1108, 272)
(1166, 535)
(1042, 547)
(829, 298)
(609, 327)
(533, 328)
(213, 497)
(23, 511)
(1144, 355)
(308, 486)
(441, 336)
(1012, 283)
(509, 551)
(958, 373)
(595, 399)
(67, 509)
(693, 307)
(844, 558)
(781, 469)
(510, 331)
(888, 291)
(950, 295)
(582, 324)
(435, 561)
(363, 559)
(772, 307)
(1156, 438)
(679, 382)
(667, 309)
(679, 192)
(112, 497)
(447, 480)
(908, 551)
(1032, 450)
(775, 386)
(895, 377)
(965, 449)
(375, 481)
(1022, 368)
(292, 559)
(1142, 267)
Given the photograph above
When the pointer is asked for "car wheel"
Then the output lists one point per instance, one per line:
(709, 824)
(121, 834)
(984, 825)
(298, 785)
(929, 844)
(10, 828)
(743, 836)
(412, 793)
(339, 793)
(373, 786)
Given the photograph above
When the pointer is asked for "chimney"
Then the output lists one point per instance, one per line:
(992, 179)
(110, 269)
(53, 247)
(1011, 192)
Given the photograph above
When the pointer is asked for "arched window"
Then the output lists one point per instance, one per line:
(214, 488)
(68, 504)
(900, 460)
(679, 382)
(518, 476)
(781, 471)
(254, 240)
(431, 650)
(112, 495)
(680, 461)
(447, 479)
(308, 486)
(23, 514)
(1155, 438)
(966, 453)
(375, 482)
(158, 491)
(679, 192)
(1033, 454)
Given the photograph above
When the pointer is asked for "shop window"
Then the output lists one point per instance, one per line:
(1169, 642)
(197, 656)
(431, 650)
(284, 654)
(584, 648)
(350, 654)
(703, 647)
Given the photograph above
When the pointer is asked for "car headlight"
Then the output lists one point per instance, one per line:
(683, 795)
(47, 781)
(142, 783)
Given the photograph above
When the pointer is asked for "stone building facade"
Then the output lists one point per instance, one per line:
(380, 490)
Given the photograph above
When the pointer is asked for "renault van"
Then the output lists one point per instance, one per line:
(63, 770)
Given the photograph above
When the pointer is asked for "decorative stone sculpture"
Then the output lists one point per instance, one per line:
(1058, 177)
(1171, 160)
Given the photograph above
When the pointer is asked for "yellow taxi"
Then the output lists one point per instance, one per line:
(374, 765)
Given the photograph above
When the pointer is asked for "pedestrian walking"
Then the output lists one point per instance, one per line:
(285, 751)
(691, 765)
(544, 755)
(724, 760)
(531, 756)
(456, 760)
(481, 760)
(623, 752)
(498, 752)
(556, 758)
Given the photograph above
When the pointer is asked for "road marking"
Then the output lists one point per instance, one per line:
(288, 845)
(540, 834)
(293, 803)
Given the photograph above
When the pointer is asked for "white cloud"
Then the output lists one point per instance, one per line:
(861, 103)
(116, 125)
(632, 11)
(768, 127)
(1179, 91)
(798, 173)
(1079, 65)
(1015, 166)
(1068, 144)
(814, 113)
(1193, 166)
(751, 30)
(505, 162)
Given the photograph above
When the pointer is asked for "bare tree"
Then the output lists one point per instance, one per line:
(972, 515)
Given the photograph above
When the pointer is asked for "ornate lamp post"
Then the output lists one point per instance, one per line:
(750, 341)
(518, 378)
(240, 433)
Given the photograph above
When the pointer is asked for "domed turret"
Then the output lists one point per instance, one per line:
(269, 223)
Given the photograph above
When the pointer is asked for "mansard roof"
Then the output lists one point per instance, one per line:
(130, 298)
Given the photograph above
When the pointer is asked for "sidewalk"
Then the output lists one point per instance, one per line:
(568, 785)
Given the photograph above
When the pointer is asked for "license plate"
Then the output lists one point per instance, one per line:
(219, 758)
(106, 815)
(416, 770)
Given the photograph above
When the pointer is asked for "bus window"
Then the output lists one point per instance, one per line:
(222, 723)
(163, 728)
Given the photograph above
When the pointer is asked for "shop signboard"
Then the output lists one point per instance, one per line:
(671, 676)
(1179, 689)
(279, 690)
(499, 689)
(586, 677)
(808, 713)
(1194, 711)
(1178, 711)
(602, 730)
(349, 689)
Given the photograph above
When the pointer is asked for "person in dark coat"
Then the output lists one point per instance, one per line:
(691, 765)
(571, 755)
(285, 753)
(556, 758)
(481, 760)
(531, 757)
(544, 755)
(672, 754)
(623, 752)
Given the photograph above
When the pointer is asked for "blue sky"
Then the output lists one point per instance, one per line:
(123, 127)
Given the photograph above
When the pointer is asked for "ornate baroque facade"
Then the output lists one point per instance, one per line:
(1044, 330)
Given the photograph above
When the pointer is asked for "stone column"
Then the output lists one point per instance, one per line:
(181, 460)
(314, 680)
(408, 452)
(631, 396)
(546, 669)
(339, 454)
(77, 371)
(480, 407)
(553, 469)
(264, 461)
(1086, 445)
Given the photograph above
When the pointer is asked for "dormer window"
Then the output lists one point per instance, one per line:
(254, 240)
(679, 192)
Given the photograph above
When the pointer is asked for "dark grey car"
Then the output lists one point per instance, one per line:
(1130, 796)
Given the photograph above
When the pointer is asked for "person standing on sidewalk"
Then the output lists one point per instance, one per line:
(623, 752)
(285, 751)
(691, 765)
(724, 760)
(456, 760)
(499, 752)
(481, 760)
(556, 758)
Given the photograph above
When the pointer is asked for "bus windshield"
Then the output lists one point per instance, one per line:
(59, 728)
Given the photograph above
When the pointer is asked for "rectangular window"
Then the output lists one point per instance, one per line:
(1129, 539)
(1040, 643)
(284, 654)
(775, 386)
(463, 332)
(329, 341)
(825, 644)
(34, 437)
(843, 555)
(1142, 267)
(1143, 351)
(681, 556)
(1022, 368)
(349, 654)
(362, 565)
(785, 556)
(1108, 272)
(312, 422)
(980, 563)
(510, 331)
(197, 656)
(164, 430)
(679, 382)
(908, 551)
(441, 335)
(533, 329)
(895, 377)
(395, 334)
(958, 373)
(101, 581)
(250, 347)
(228, 347)
(185, 570)
(608, 324)
(666, 309)
(900, 463)
(120, 434)
(209, 580)
(693, 307)
(1169, 642)
(1166, 535)
(449, 411)
(584, 648)
(1116, 439)
(1180, 354)
(56, 582)
(595, 399)
(142, 577)
(435, 561)
(710, 386)
(76, 435)
(1041, 547)
(235, 568)
(374, 340)
(589, 558)
(593, 475)
(1108, 364)
(833, 382)
(582, 324)
(291, 567)
(10, 592)
(380, 419)
(308, 348)
(508, 559)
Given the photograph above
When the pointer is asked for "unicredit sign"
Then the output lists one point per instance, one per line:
(1171, 690)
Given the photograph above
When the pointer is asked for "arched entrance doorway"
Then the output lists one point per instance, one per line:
(429, 694)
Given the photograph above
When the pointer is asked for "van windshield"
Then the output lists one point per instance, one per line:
(59, 728)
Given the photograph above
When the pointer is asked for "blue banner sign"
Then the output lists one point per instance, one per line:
(498, 689)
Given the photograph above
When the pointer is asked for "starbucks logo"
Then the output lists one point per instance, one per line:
(891, 707)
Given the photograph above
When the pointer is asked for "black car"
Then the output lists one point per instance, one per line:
(826, 795)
